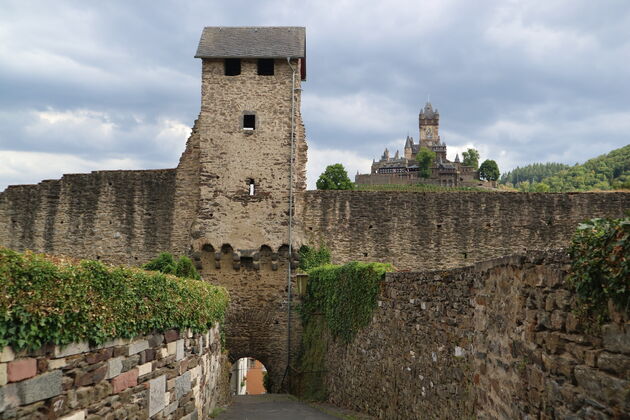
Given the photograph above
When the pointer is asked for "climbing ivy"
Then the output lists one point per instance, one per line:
(338, 302)
(345, 294)
(47, 300)
(600, 268)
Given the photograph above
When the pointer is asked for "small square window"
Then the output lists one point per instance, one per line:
(232, 66)
(249, 122)
(265, 66)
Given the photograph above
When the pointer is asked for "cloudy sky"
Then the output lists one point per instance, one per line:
(88, 85)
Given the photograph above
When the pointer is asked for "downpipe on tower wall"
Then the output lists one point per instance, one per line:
(292, 141)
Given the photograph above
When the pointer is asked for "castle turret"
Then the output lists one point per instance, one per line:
(408, 151)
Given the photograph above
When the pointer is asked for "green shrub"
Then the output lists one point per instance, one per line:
(167, 264)
(600, 268)
(313, 257)
(43, 300)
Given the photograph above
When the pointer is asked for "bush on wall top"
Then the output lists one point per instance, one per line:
(45, 300)
(600, 268)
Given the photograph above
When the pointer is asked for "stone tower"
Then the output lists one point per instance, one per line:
(244, 162)
(250, 107)
(429, 125)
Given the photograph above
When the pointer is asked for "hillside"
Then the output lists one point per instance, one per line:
(605, 172)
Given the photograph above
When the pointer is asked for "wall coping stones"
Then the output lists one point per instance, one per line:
(138, 346)
(71, 349)
(7, 354)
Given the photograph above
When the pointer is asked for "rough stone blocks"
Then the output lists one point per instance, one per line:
(138, 346)
(157, 390)
(124, 381)
(71, 349)
(40, 388)
(182, 385)
(20, 369)
(114, 367)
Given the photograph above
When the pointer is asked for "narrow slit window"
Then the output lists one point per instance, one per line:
(251, 185)
(249, 122)
(265, 66)
(232, 66)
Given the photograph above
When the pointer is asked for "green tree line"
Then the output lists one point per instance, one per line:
(605, 172)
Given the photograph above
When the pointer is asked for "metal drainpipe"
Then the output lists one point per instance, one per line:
(290, 218)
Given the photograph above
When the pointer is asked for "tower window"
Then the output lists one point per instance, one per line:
(249, 122)
(251, 185)
(265, 66)
(232, 66)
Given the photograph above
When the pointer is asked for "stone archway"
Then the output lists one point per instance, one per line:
(257, 320)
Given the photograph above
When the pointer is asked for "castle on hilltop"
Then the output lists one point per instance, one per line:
(404, 169)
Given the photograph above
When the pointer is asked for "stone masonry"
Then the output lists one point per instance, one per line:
(163, 376)
(497, 340)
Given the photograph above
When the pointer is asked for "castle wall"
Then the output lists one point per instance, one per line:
(496, 340)
(163, 375)
(122, 217)
(438, 230)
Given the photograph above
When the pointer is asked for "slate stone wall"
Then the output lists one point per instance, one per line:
(122, 217)
(163, 376)
(499, 339)
(439, 230)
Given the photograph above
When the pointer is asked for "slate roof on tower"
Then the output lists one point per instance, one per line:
(252, 42)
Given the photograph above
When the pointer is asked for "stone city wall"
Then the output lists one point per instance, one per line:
(122, 217)
(440, 230)
(163, 376)
(499, 339)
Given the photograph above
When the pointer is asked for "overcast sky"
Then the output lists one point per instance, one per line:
(87, 85)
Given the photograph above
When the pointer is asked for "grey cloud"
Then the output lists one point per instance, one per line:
(494, 69)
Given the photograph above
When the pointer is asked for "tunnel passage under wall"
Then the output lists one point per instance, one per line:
(438, 230)
(257, 320)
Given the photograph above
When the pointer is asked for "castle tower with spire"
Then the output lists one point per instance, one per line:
(404, 170)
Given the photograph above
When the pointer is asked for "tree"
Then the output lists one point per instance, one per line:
(334, 177)
(166, 263)
(489, 170)
(471, 158)
(425, 158)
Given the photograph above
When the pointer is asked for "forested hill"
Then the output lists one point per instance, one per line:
(605, 172)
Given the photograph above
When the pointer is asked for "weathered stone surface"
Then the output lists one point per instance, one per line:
(605, 388)
(179, 350)
(9, 397)
(182, 385)
(615, 363)
(7, 354)
(78, 415)
(40, 388)
(156, 340)
(124, 381)
(91, 377)
(99, 356)
(130, 362)
(20, 369)
(616, 337)
(3, 374)
(171, 335)
(157, 389)
(145, 369)
(71, 349)
(114, 366)
(138, 346)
